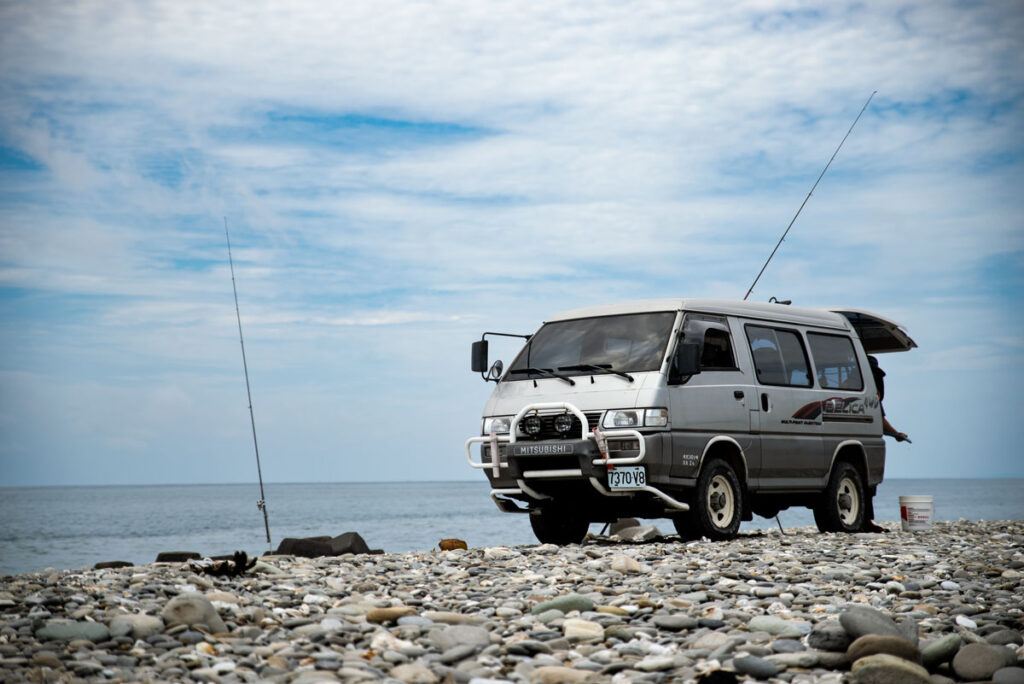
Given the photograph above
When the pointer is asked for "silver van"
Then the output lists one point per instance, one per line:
(702, 411)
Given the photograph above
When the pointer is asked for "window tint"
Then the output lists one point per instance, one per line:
(717, 350)
(836, 362)
(779, 357)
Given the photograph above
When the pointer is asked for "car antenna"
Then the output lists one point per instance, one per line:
(261, 504)
(808, 196)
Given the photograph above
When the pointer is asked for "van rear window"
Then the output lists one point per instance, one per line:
(836, 362)
(779, 357)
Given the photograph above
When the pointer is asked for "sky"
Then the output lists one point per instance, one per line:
(399, 177)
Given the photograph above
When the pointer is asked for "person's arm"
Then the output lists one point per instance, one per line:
(889, 430)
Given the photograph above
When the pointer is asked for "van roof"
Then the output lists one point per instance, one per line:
(879, 335)
(725, 307)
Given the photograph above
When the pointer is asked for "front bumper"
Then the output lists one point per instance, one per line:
(586, 459)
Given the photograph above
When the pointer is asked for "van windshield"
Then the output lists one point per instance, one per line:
(628, 343)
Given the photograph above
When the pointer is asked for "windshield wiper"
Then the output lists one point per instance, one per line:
(602, 368)
(542, 371)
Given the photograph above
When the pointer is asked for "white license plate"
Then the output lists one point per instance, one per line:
(627, 477)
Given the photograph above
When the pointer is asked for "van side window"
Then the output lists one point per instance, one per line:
(779, 357)
(836, 362)
(716, 354)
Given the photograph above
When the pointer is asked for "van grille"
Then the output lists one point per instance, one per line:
(547, 426)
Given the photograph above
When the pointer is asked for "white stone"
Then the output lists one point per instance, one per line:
(583, 630)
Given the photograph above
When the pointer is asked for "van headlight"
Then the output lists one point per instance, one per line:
(499, 424)
(633, 418)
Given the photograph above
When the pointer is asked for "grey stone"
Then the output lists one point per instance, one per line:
(458, 653)
(870, 644)
(758, 668)
(192, 609)
(940, 651)
(565, 604)
(787, 646)
(177, 556)
(137, 626)
(674, 623)
(883, 668)
(623, 524)
(978, 661)
(774, 625)
(1009, 675)
(640, 533)
(1005, 637)
(60, 629)
(458, 635)
(829, 636)
(859, 620)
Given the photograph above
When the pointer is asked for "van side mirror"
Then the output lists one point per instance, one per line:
(478, 364)
(685, 363)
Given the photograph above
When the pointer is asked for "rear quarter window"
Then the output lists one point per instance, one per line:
(835, 361)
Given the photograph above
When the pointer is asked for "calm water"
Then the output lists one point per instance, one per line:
(73, 527)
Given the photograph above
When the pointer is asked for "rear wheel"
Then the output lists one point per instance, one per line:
(842, 506)
(558, 525)
(718, 504)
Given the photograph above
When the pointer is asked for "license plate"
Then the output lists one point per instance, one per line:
(627, 477)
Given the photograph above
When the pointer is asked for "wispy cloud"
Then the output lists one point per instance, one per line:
(400, 176)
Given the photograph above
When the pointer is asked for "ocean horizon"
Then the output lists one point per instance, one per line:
(74, 526)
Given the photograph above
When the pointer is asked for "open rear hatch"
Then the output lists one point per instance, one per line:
(878, 335)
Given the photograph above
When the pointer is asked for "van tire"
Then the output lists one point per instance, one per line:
(558, 525)
(718, 503)
(843, 505)
(686, 526)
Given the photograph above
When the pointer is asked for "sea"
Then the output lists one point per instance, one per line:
(77, 527)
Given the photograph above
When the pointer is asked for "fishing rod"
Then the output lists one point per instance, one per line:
(261, 504)
(808, 196)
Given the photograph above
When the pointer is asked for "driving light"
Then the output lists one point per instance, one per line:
(531, 424)
(563, 423)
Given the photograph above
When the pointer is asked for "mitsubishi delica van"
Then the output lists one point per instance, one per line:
(702, 411)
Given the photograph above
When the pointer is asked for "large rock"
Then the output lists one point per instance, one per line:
(566, 603)
(314, 547)
(980, 661)
(829, 636)
(940, 651)
(758, 668)
(871, 644)
(176, 556)
(1009, 675)
(60, 629)
(137, 626)
(883, 668)
(859, 620)
(458, 635)
(774, 625)
(192, 609)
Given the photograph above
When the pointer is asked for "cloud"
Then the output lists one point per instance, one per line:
(400, 176)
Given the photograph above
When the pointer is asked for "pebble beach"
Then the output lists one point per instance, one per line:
(938, 605)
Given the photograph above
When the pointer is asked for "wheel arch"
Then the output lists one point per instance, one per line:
(730, 451)
(853, 452)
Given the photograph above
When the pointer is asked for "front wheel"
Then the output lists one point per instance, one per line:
(718, 504)
(842, 506)
(558, 525)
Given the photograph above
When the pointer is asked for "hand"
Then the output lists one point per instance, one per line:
(902, 437)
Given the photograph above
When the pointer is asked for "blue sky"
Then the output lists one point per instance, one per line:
(401, 176)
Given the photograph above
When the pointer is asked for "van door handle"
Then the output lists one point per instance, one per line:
(764, 402)
(738, 394)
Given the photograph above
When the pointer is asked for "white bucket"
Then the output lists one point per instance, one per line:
(916, 512)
